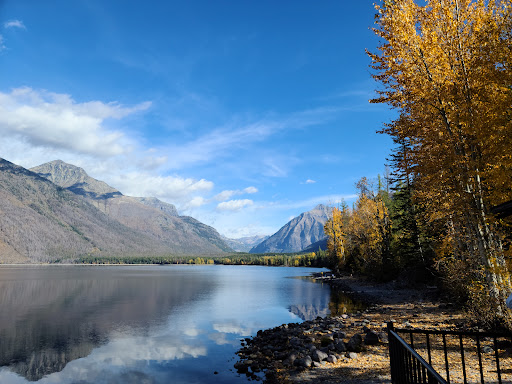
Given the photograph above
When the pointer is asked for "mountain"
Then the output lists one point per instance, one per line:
(75, 179)
(153, 218)
(244, 244)
(42, 222)
(322, 244)
(297, 234)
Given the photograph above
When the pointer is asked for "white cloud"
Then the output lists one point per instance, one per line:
(14, 24)
(171, 188)
(2, 45)
(195, 202)
(227, 194)
(56, 121)
(309, 181)
(234, 205)
(251, 190)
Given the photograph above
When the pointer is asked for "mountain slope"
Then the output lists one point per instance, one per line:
(297, 234)
(41, 222)
(150, 216)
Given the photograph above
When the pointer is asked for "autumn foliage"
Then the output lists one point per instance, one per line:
(445, 66)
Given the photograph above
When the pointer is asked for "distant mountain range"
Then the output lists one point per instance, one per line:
(56, 211)
(244, 244)
(298, 234)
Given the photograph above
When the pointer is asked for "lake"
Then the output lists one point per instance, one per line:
(143, 324)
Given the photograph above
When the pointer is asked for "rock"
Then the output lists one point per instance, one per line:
(355, 344)
(316, 364)
(326, 340)
(383, 336)
(241, 367)
(371, 338)
(340, 335)
(352, 355)
(331, 359)
(340, 346)
(487, 349)
(292, 357)
(318, 355)
(303, 363)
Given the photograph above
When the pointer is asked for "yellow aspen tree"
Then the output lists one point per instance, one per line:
(367, 231)
(446, 67)
(334, 230)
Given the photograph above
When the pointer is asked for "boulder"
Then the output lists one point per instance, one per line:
(319, 356)
(355, 344)
(303, 363)
(340, 346)
(371, 338)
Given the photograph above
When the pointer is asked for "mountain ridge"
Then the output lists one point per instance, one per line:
(298, 233)
(148, 215)
(42, 222)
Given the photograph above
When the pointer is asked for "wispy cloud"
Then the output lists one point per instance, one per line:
(55, 120)
(309, 181)
(221, 142)
(2, 45)
(14, 24)
(310, 203)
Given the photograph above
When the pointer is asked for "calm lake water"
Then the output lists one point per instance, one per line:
(143, 324)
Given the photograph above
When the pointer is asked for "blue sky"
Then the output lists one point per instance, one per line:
(241, 113)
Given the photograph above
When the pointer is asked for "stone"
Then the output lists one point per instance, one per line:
(487, 349)
(318, 355)
(371, 338)
(352, 355)
(303, 363)
(340, 346)
(340, 335)
(331, 359)
(326, 340)
(383, 336)
(355, 344)
(241, 367)
(292, 357)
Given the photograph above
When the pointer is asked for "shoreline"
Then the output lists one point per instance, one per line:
(350, 348)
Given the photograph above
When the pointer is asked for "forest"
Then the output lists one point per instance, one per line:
(309, 259)
(445, 68)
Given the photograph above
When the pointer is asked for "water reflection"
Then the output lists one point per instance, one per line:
(142, 324)
(51, 316)
(340, 303)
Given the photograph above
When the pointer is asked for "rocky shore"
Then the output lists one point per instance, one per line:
(349, 348)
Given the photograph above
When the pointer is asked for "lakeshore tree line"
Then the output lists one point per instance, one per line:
(445, 67)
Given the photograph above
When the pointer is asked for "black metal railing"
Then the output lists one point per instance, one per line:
(465, 357)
